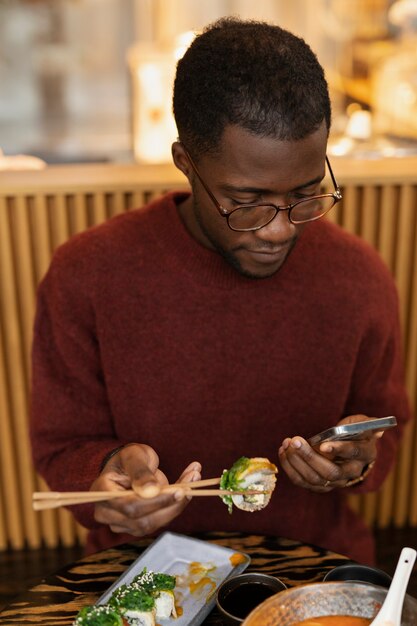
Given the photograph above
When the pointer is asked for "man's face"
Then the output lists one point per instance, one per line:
(251, 169)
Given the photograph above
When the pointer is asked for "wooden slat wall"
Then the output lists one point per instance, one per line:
(39, 211)
(386, 217)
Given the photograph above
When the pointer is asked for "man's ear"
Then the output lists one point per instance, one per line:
(180, 159)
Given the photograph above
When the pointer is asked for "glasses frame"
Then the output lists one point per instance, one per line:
(336, 195)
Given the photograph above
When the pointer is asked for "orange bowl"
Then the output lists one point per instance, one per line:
(288, 607)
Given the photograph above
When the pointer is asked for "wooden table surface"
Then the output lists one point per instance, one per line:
(58, 598)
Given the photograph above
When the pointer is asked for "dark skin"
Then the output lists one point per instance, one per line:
(267, 170)
(247, 168)
(137, 467)
(332, 464)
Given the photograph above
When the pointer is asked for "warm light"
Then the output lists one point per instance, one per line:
(20, 162)
(154, 128)
(182, 42)
(359, 125)
(153, 72)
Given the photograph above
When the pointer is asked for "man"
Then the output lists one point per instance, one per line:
(230, 321)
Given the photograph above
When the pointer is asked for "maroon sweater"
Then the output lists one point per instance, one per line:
(143, 335)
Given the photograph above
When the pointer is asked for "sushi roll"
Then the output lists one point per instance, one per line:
(103, 615)
(135, 604)
(256, 474)
(161, 587)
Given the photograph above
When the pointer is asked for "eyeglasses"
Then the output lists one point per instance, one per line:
(247, 217)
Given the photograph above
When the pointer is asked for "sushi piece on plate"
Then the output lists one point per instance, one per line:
(135, 604)
(255, 473)
(161, 587)
(103, 615)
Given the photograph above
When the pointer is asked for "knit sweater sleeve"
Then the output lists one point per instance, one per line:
(71, 423)
(377, 387)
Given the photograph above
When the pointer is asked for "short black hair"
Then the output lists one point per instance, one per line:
(251, 74)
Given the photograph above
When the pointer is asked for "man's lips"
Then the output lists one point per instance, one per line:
(270, 252)
(268, 256)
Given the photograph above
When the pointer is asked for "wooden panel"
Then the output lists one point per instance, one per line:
(385, 216)
(11, 529)
(404, 248)
(370, 215)
(39, 212)
(16, 373)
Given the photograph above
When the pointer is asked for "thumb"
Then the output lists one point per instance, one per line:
(140, 462)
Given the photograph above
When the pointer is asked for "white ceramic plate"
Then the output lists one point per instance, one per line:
(200, 567)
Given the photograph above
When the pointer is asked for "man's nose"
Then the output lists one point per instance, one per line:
(279, 230)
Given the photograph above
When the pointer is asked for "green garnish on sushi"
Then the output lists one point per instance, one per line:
(155, 581)
(230, 479)
(149, 596)
(255, 474)
(103, 615)
(132, 597)
(161, 587)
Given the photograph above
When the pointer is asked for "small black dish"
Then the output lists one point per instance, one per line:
(239, 595)
(354, 572)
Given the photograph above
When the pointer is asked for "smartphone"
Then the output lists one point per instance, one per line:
(352, 431)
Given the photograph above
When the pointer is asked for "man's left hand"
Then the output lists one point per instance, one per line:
(332, 464)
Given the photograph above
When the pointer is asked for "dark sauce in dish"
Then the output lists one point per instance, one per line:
(243, 599)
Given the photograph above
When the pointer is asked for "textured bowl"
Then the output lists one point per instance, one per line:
(244, 591)
(331, 598)
(354, 572)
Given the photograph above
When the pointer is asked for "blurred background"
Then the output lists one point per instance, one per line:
(90, 80)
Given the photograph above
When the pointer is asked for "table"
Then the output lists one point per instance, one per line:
(58, 598)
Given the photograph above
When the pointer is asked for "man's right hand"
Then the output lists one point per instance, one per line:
(134, 467)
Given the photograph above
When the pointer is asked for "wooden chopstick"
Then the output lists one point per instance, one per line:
(147, 492)
(46, 495)
(54, 503)
(223, 492)
(54, 499)
(62, 495)
(206, 482)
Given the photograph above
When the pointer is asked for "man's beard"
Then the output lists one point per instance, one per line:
(229, 256)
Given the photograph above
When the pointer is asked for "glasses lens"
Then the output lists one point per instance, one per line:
(255, 216)
(312, 209)
(252, 217)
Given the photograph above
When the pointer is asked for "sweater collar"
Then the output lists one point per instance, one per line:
(203, 265)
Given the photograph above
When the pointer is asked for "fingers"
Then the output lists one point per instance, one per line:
(140, 462)
(189, 475)
(137, 467)
(160, 517)
(168, 506)
(364, 450)
(141, 452)
(139, 516)
(371, 434)
(308, 468)
(333, 463)
(133, 466)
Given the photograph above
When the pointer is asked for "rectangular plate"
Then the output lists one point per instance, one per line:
(200, 567)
